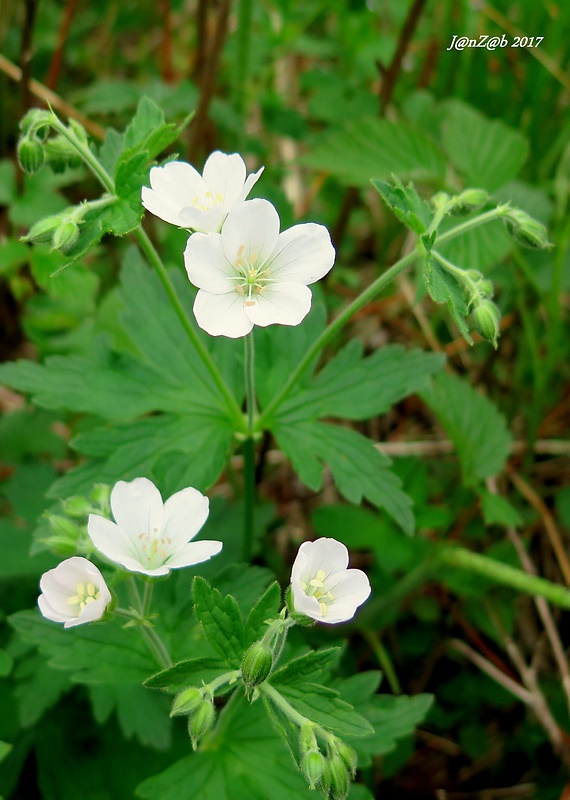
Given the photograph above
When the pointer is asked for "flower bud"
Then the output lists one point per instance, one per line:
(101, 497)
(307, 738)
(469, 200)
(348, 755)
(65, 235)
(312, 767)
(38, 121)
(440, 200)
(525, 230)
(486, 288)
(200, 722)
(337, 775)
(43, 230)
(256, 664)
(61, 526)
(486, 318)
(186, 702)
(77, 507)
(30, 155)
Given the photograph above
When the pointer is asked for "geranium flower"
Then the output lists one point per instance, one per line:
(183, 197)
(322, 586)
(74, 593)
(149, 536)
(250, 274)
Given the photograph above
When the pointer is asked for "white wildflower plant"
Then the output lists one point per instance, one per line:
(180, 195)
(322, 586)
(74, 593)
(150, 536)
(251, 274)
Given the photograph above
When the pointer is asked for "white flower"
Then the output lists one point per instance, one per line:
(182, 196)
(322, 586)
(74, 593)
(149, 536)
(250, 274)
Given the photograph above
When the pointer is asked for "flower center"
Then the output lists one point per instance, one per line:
(251, 279)
(85, 593)
(316, 588)
(153, 548)
(207, 201)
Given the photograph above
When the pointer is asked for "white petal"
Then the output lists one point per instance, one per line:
(184, 514)
(250, 232)
(222, 314)
(207, 265)
(249, 184)
(325, 554)
(208, 221)
(224, 176)
(49, 612)
(303, 253)
(137, 507)
(180, 182)
(162, 207)
(111, 540)
(194, 553)
(280, 303)
(305, 604)
(351, 589)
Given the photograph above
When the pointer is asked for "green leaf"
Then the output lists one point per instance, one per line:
(140, 713)
(498, 511)
(393, 718)
(372, 148)
(406, 204)
(360, 470)
(5, 748)
(130, 174)
(38, 688)
(352, 387)
(242, 758)
(187, 673)
(443, 287)
(477, 429)
(220, 620)
(479, 248)
(148, 118)
(267, 607)
(486, 152)
(12, 255)
(307, 667)
(122, 217)
(324, 706)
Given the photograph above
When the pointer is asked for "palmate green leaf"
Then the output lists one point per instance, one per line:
(476, 427)
(267, 607)
(307, 667)
(140, 713)
(323, 705)
(353, 387)
(444, 288)
(393, 718)
(406, 204)
(242, 758)
(487, 152)
(359, 469)
(186, 673)
(372, 148)
(221, 621)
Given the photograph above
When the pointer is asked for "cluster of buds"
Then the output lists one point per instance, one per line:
(67, 530)
(527, 231)
(35, 149)
(198, 705)
(329, 772)
(461, 204)
(62, 230)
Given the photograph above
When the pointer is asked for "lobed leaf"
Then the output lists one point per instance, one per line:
(307, 667)
(186, 673)
(267, 607)
(221, 621)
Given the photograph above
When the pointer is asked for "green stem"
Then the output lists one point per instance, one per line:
(482, 219)
(147, 598)
(277, 698)
(458, 273)
(505, 574)
(331, 330)
(221, 680)
(155, 261)
(384, 660)
(248, 496)
(249, 367)
(153, 641)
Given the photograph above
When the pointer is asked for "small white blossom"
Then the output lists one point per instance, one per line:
(74, 593)
(149, 536)
(322, 585)
(250, 274)
(183, 197)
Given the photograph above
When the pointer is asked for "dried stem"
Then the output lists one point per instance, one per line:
(52, 76)
(30, 9)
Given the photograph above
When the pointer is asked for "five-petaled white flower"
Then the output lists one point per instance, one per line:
(180, 195)
(74, 593)
(250, 274)
(322, 586)
(149, 536)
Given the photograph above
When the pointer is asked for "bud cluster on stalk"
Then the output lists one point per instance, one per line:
(198, 705)
(331, 771)
(68, 529)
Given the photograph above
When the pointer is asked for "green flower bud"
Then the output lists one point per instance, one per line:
(77, 507)
(38, 121)
(30, 155)
(525, 230)
(60, 545)
(63, 527)
(312, 767)
(338, 777)
(486, 318)
(307, 738)
(65, 235)
(187, 701)
(43, 230)
(469, 200)
(348, 756)
(101, 497)
(440, 200)
(256, 664)
(200, 722)
(486, 288)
